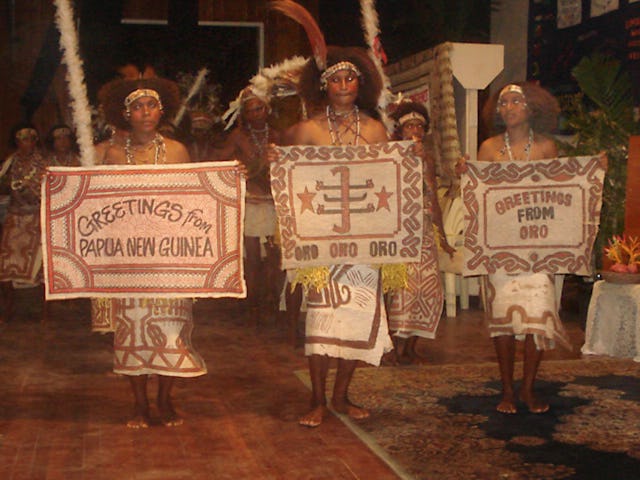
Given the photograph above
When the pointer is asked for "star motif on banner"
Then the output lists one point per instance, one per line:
(306, 197)
(383, 199)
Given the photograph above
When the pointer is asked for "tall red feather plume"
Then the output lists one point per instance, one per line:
(314, 34)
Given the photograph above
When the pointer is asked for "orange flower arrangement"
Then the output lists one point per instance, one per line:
(624, 251)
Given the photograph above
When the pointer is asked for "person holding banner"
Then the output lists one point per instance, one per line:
(248, 143)
(342, 97)
(412, 123)
(152, 336)
(523, 306)
(20, 250)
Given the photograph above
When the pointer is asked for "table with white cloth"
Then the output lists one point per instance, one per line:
(613, 326)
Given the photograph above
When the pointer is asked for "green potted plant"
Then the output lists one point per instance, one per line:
(602, 117)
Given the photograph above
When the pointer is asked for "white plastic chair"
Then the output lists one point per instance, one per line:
(453, 221)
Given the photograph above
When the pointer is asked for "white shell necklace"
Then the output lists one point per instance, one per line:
(527, 148)
(260, 144)
(159, 155)
(334, 130)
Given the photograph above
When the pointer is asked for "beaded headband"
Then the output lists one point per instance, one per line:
(25, 133)
(411, 116)
(61, 132)
(139, 93)
(512, 88)
(336, 68)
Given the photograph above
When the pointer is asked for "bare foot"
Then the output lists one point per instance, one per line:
(139, 421)
(314, 417)
(350, 409)
(389, 359)
(533, 404)
(507, 405)
(169, 417)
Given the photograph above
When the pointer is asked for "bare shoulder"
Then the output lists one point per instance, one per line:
(114, 155)
(547, 145)
(176, 151)
(490, 149)
(373, 130)
(305, 132)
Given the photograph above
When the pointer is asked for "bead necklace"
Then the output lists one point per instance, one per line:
(527, 148)
(260, 144)
(334, 130)
(20, 167)
(159, 155)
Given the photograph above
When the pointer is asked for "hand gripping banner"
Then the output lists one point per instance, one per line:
(348, 205)
(538, 216)
(145, 231)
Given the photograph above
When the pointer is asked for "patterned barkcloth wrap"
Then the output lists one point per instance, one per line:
(416, 309)
(540, 216)
(525, 304)
(260, 216)
(427, 77)
(351, 204)
(154, 337)
(20, 250)
(347, 319)
(144, 231)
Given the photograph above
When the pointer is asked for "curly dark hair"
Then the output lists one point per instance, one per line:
(407, 107)
(542, 105)
(369, 85)
(111, 97)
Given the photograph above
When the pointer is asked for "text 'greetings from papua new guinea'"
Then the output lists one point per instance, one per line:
(169, 229)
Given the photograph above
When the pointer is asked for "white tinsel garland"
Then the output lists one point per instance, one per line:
(80, 110)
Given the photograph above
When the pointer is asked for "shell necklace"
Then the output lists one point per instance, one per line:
(159, 154)
(257, 142)
(334, 128)
(527, 148)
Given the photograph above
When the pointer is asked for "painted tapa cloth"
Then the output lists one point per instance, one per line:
(416, 309)
(525, 304)
(154, 336)
(20, 250)
(540, 216)
(352, 204)
(347, 319)
(144, 231)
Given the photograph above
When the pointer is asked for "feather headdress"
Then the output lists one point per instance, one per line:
(303, 17)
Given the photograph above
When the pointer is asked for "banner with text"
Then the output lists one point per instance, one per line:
(538, 216)
(348, 205)
(144, 231)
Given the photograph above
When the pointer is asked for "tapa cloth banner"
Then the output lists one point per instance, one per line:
(145, 231)
(348, 205)
(538, 216)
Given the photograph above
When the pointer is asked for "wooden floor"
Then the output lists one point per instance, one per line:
(62, 411)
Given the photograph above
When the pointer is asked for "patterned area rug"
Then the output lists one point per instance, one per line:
(439, 422)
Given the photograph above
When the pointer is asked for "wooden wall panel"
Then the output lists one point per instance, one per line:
(146, 9)
(20, 46)
(28, 21)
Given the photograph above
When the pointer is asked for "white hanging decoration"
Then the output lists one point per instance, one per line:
(80, 109)
(195, 88)
(370, 25)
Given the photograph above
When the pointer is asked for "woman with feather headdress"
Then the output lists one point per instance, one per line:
(340, 87)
